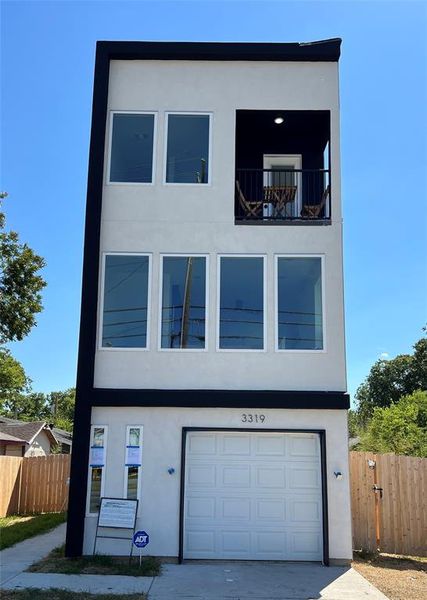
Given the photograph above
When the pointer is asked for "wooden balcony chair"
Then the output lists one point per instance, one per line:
(312, 211)
(251, 210)
(279, 197)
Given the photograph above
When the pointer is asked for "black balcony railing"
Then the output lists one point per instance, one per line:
(282, 195)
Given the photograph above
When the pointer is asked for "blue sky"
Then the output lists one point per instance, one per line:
(47, 59)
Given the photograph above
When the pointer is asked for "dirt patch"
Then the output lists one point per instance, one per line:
(398, 577)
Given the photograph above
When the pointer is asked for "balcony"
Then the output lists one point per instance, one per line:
(270, 195)
(282, 172)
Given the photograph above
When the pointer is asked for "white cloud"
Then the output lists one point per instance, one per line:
(384, 355)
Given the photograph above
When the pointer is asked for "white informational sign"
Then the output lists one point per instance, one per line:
(97, 456)
(133, 456)
(117, 513)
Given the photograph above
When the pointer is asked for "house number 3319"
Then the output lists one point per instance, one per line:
(252, 418)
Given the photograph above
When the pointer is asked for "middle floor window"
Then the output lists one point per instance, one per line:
(241, 303)
(183, 322)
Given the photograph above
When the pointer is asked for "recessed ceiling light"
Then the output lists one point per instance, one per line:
(279, 120)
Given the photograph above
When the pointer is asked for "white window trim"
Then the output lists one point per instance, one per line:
(110, 142)
(276, 304)
(165, 149)
(101, 303)
(104, 469)
(218, 302)
(160, 312)
(125, 483)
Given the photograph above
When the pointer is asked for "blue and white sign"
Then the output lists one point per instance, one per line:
(141, 539)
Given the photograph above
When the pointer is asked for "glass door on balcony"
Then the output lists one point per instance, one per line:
(282, 171)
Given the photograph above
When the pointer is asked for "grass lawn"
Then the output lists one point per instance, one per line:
(18, 528)
(398, 577)
(99, 564)
(53, 594)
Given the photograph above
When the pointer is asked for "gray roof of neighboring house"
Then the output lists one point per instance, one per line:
(10, 439)
(27, 431)
(63, 437)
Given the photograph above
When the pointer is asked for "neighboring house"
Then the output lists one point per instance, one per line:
(64, 438)
(19, 438)
(211, 374)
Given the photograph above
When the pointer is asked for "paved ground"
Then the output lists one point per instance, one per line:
(194, 580)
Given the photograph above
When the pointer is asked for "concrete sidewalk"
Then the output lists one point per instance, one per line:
(216, 580)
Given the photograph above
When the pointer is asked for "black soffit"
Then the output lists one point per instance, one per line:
(318, 51)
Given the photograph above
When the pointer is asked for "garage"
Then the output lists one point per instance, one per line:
(252, 496)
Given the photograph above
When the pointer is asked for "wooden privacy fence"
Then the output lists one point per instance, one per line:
(34, 484)
(393, 518)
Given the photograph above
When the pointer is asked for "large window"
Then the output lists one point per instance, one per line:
(299, 302)
(187, 153)
(132, 141)
(183, 322)
(241, 310)
(125, 309)
(96, 466)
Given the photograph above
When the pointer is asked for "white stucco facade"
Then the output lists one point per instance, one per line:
(160, 491)
(159, 219)
(199, 219)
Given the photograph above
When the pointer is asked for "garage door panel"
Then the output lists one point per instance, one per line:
(270, 445)
(304, 511)
(201, 475)
(303, 477)
(271, 509)
(252, 499)
(201, 444)
(236, 445)
(270, 477)
(235, 476)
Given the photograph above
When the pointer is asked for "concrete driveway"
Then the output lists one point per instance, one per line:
(260, 581)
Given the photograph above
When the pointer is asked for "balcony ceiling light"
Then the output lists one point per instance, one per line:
(279, 120)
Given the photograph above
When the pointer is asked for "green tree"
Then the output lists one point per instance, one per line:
(400, 428)
(20, 284)
(389, 380)
(13, 383)
(61, 405)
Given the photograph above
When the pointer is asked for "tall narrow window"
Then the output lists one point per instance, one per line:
(96, 466)
(300, 321)
(241, 320)
(132, 138)
(187, 158)
(183, 302)
(125, 301)
(133, 461)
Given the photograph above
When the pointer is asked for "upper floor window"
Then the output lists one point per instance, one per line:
(241, 303)
(183, 322)
(299, 303)
(187, 149)
(132, 142)
(125, 308)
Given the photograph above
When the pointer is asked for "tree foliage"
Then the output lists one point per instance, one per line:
(13, 380)
(390, 380)
(20, 284)
(400, 428)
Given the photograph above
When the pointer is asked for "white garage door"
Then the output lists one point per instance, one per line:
(253, 496)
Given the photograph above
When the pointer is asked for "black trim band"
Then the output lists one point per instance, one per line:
(220, 398)
(322, 439)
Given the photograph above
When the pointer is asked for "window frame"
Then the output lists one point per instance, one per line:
(160, 305)
(100, 347)
(165, 149)
(125, 482)
(104, 468)
(110, 147)
(218, 302)
(276, 304)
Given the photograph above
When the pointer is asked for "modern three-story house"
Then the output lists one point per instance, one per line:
(212, 327)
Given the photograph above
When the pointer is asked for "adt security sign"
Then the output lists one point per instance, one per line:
(141, 539)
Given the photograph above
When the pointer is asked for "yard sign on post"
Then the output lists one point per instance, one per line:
(116, 513)
(141, 539)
